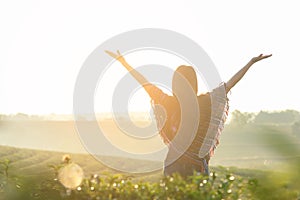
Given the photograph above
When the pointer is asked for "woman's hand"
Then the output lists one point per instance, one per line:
(260, 57)
(138, 76)
(238, 76)
(118, 56)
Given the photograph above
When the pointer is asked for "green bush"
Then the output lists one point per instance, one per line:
(116, 186)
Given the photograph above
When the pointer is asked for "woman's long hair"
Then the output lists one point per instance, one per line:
(184, 79)
(183, 76)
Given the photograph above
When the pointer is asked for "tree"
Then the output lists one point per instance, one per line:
(240, 119)
(296, 129)
(282, 117)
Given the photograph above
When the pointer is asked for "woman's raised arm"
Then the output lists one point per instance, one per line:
(138, 76)
(239, 75)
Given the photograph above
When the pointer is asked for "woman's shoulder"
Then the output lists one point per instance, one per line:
(203, 95)
(204, 99)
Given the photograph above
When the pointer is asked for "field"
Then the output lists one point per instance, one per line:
(251, 146)
(263, 158)
(31, 175)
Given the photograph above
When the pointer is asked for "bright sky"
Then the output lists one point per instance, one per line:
(44, 44)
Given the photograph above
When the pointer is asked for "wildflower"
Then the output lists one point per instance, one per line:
(70, 175)
(231, 178)
(66, 158)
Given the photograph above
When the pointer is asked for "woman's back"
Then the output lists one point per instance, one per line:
(168, 115)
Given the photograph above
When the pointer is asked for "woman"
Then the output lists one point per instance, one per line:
(213, 107)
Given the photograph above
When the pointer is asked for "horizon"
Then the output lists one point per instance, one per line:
(132, 113)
